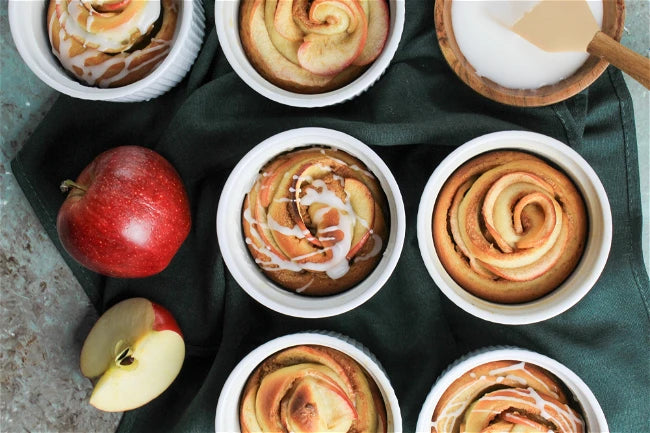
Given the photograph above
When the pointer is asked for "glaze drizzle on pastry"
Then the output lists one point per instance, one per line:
(506, 396)
(312, 46)
(314, 221)
(311, 389)
(111, 43)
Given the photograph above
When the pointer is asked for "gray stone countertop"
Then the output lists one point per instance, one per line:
(44, 313)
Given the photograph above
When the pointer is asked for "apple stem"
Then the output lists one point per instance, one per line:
(66, 185)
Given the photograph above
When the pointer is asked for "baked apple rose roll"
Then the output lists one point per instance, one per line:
(315, 221)
(311, 389)
(508, 227)
(313, 46)
(111, 43)
(506, 396)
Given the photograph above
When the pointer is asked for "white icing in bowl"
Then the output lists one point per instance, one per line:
(481, 29)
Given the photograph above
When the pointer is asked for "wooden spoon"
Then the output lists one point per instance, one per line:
(561, 25)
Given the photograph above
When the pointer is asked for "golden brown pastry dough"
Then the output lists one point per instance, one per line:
(508, 227)
(311, 389)
(111, 43)
(315, 221)
(506, 396)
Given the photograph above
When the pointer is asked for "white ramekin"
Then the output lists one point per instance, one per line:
(29, 31)
(226, 13)
(240, 262)
(227, 416)
(599, 235)
(591, 410)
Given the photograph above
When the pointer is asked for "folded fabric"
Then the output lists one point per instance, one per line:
(414, 116)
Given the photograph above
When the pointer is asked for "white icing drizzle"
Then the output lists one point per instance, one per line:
(294, 231)
(89, 21)
(521, 366)
(303, 288)
(109, 39)
(92, 75)
(357, 168)
(465, 396)
(314, 191)
(354, 167)
(564, 417)
(275, 262)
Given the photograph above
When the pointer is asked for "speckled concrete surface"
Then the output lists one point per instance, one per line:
(44, 313)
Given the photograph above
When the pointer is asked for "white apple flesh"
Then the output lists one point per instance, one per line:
(134, 351)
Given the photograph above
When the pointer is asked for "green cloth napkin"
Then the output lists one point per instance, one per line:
(414, 116)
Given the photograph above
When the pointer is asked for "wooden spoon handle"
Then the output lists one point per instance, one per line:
(628, 61)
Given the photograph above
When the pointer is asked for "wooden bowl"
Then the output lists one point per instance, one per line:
(613, 20)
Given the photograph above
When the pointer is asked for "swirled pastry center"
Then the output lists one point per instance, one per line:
(108, 26)
(309, 389)
(314, 221)
(309, 45)
(505, 396)
(111, 43)
(508, 227)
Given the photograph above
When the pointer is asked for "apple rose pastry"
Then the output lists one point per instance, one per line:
(311, 389)
(312, 46)
(111, 43)
(508, 227)
(506, 396)
(315, 221)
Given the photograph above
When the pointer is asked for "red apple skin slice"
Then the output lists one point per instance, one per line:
(378, 29)
(163, 320)
(283, 20)
(286, 48)
(515, 418)
(363, 205)
(279, 186)
(274, 67)
(327, 55)
(110, 6)
(263, 54)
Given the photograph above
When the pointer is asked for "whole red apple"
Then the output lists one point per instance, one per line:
(126, 215)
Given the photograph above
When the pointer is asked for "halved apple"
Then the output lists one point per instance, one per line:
(134, 352)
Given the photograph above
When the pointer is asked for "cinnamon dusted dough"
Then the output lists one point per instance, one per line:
(111, 48)
(504, 396)
(311, 389)
(316, 221)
